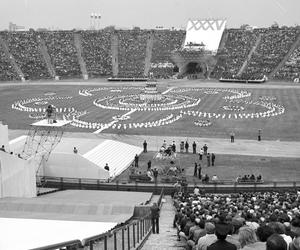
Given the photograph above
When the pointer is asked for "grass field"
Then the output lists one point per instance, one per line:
(280, 127)
(227, 167)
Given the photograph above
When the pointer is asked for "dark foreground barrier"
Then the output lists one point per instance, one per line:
(153, 187)
(124, 79)
(242, 80)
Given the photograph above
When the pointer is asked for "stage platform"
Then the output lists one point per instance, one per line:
(75, 205)
(45, 123)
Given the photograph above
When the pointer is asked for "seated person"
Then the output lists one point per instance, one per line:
(215, 178)
(205, 179)
(252, 177)
(259, 178)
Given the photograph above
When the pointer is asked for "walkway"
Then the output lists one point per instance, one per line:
(167, 237)
(217, 145)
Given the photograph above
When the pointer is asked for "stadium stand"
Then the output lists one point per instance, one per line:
(246, 55)
(25, 50)
(272, 49)
(7, 72)
(291, 69)
(237, 47)
(262, 213)
(62, 51)
(132, 52)
(165, 41)
(97, 52)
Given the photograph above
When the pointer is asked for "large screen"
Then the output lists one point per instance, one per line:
(205, 33)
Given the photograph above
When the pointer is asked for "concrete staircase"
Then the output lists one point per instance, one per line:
(115, 54)
(77, 42)
(245, 64)
(118, 155)
(286, 57)
(148, 54)
(44, 51)
(11, 59)
(167, 237)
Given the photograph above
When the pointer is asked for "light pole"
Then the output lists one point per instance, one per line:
(95, 21)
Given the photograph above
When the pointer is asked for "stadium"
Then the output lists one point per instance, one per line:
(105, 130)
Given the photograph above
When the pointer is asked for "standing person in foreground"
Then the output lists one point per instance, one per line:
(205, 148)
(208, 159)
(199, 172)
(201, 152)
(213, 158)
(195, 169)
(259, 135)
(155, 218)
(232, 137)
(186, 145)
(136, 161)
(145, 146)
(194, 147)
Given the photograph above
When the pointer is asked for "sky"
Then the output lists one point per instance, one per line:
(70, 14)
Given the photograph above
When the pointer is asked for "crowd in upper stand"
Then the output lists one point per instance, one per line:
(96, 48)
(236, 50)
(132, 52)
(97, 53)
(275, 44)
(24, 48)
(165, 41)
(63, 54)
(7, 72)
(291, 69)
(247, 220)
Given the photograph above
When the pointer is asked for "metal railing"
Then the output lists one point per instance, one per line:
(220, 187)
(130, 236)
(70, 245)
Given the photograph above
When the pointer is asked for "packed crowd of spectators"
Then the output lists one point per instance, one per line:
(291, 69)
(63, 54)
(96, 52)
(249, 178)
(7, 72)
(275, 44)
(132, 52)
(165, 41)
(24, 48)
(237, 47)
(246, 220)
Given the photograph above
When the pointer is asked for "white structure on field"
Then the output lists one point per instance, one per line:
(151, 93)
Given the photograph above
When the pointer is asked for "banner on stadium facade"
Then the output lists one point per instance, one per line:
(205, 33)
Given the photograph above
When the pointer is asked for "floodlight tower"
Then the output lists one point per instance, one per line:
(43, 136)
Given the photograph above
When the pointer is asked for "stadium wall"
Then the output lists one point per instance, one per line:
(17, 177)
(4, 136)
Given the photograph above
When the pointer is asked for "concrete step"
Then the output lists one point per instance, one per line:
(167, 237)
